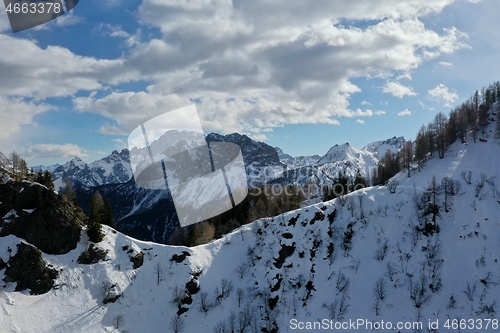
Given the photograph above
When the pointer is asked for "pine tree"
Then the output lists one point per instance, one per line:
(95, 217)
(359, 181)
(45, 179)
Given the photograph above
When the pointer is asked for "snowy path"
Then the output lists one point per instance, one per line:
(456, 162)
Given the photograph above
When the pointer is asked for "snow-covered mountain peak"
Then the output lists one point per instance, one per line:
(75, 162)
(379, 148)
(341, 152)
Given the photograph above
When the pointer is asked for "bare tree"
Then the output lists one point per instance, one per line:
(406, 156)
(240, 293)
(240, 270)
(343, 305)
(177, 295)
(391, 271)
(226, 287)
(231, 322)
(221, 327)
(158, 272)
(118, 321)
(380, 289)
(204, 303)
(470, 291)
(467, 176)
(245, 318)
(381, 251)
(177, 324)
(342, 282)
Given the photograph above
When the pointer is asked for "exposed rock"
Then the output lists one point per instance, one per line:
(28, 269)
(178, 258)
(42, 217)
(137, 260)
(112, 294)
(92, 255)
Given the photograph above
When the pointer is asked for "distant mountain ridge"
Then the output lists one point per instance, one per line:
(111, 169)
(150, 214)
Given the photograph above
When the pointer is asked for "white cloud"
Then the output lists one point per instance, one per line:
(404, 113)
(49, 150)
(361, 113)
(253, 70)
(15, 112)
(361, 122)
(365, 103)
(380, 113)
(31, 71)
(445, 64)
(398, 90)
(443, 95)
(113, 30)
(111, 130)
(222, 51)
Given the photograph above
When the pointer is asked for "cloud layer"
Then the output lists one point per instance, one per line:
(250, 66)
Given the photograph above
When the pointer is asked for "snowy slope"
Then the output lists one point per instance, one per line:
(379, 148)
(357, 257)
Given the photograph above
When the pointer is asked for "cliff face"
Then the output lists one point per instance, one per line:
(31, 213)
(40, 216)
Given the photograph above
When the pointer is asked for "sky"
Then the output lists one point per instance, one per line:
(301, 75)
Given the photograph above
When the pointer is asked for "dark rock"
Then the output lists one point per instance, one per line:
(137, 260)
(284, 253)
(47, 220)
(192, 286)
(178, 258)
(92, 255)
(28, 269)
(112, 294)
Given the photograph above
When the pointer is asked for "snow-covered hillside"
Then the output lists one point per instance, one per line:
(372, 255)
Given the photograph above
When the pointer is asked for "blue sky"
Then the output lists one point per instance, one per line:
(299, 75)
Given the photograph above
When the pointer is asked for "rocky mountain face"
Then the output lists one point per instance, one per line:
(111, 169)
(46, 221)
(340, 159)
(40, 216)
(254, 153)
(144, 213)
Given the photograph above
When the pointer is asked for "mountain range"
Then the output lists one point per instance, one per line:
(417, 254)
(150, 214)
